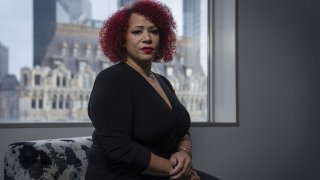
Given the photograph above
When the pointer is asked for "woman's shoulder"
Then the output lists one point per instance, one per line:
(116, 71)
(113, 74)
(113, 69)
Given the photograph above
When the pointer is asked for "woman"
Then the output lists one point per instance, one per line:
(141, 128)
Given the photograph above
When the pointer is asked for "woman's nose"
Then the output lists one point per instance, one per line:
(147, 38)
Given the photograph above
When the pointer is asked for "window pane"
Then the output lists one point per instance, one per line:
(188, 72)
(49, 62)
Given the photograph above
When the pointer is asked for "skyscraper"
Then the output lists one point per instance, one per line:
(4, 59)
(46, 15)
(73, 11)
(191, 34)
(44, 25)
(123, 3)
(8, 85)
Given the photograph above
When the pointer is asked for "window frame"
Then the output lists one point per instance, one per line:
(212, 34)
(211, 122)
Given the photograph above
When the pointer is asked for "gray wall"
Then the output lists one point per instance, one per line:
(278, 137)
(279, 73)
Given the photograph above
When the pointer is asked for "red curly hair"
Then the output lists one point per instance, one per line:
(112, 33)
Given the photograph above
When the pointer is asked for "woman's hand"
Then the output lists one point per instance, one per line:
(182, 166)
(194, 175)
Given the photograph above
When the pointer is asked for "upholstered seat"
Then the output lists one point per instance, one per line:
(58, 159)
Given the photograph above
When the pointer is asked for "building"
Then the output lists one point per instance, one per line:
(59, 87)
(191, 34)
(124, 3)
(9, 109)
(44, 25)
(76, 46)
(8, 85)
(4, 60)
(73, 11)
(54, 94)
(46, 15)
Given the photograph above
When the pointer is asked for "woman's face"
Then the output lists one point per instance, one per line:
(142, 39)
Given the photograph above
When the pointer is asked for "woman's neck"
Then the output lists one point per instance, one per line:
(143, 67)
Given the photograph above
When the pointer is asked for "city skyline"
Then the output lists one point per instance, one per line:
(21, 54)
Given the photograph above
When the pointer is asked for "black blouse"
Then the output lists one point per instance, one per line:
(131, 120)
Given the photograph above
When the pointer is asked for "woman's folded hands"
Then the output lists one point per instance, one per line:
(182, 166)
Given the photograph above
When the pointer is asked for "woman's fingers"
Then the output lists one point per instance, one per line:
(173, 161)
(194, 176)
(182, 166)
(176, 172)
(183, 169)
(187, 167)
(190, 169)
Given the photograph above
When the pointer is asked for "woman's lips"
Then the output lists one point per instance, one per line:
(147, 49)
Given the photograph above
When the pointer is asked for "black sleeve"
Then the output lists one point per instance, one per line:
(111, 112)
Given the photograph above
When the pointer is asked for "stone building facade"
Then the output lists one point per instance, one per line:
(59, 89)
(54, 94)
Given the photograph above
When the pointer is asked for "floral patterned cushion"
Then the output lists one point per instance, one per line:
(58, 159)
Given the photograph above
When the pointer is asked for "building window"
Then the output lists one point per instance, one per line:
(58, 81)
(54, 102)
(61, 102)
(25, 79)
(68, 102)
(41, 102)
(37, 79)
(33, 103)
(64, 81)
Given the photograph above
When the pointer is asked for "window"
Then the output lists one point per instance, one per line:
(25, 80)
(64, 81)
(41, 101)
(66, 54)
(61, 102)
(37, 79)
(222, 71)
(58, 81)
(54, 101)
(68, 102)
(33, 102)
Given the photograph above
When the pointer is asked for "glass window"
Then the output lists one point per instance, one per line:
(64, 81)
(67, 31)
(68, 102)
(33, 103)
(37, 79)
(54, 101)
(25, 80)
(40, 103)
(58, 81)
(61, 102)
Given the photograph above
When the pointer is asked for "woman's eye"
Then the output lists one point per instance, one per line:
(136, 32)
(155, 32)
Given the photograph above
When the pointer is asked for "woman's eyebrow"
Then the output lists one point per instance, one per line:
(142, 27)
